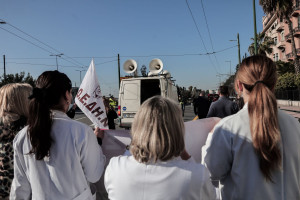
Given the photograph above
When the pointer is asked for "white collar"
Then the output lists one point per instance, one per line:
(59, 114)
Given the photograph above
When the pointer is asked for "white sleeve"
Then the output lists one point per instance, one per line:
(218, 158)
(92, 158)
(208, 191)
(20, 188)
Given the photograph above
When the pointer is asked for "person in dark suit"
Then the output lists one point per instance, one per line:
(223, 107)
(201, 105)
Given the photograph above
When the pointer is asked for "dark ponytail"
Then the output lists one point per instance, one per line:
(258, 75)
(51, 86)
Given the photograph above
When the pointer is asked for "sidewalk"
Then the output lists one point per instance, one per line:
(291, 110)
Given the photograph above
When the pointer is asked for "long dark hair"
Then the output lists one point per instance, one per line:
(51, 86)
(258, 75)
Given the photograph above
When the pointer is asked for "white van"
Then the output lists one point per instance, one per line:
(134, 91)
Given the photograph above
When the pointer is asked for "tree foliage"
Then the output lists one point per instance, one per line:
(286, 81)
(17, 78)
(284, 67)
(264, 45)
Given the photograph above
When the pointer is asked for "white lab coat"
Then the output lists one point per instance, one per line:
(230, 158)
(75, 159)
(125, 178)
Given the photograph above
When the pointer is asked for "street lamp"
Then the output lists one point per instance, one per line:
(239, 52)
(57, 55)
(80, 74)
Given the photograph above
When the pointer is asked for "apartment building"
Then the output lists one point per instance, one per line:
(278, 30)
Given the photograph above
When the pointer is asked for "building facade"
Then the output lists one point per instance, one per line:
(278, 30)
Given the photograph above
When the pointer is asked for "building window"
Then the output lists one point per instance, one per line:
(275, 40)
(276, 57)
(297, 3)
(282, 36)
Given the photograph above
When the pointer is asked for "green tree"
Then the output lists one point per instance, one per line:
(17, 78)
(287, 81)
(264, 45)
(283, 10)
(284, 67)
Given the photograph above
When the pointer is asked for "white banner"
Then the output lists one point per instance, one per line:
(89, 98)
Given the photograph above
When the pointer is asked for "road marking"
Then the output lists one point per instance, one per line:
(79, 118)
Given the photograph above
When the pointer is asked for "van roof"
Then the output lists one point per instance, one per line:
(141, 78)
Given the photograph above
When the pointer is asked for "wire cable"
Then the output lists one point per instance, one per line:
(26, 40)
(212, 46)
(40, 41)
(200, 34)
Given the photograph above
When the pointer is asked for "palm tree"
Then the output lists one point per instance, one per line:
(283, 10)
(264, 45)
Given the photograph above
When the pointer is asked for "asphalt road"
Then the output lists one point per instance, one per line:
(188, 116)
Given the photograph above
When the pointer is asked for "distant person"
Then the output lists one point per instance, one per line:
(159, 167)
(182, 104)
(255, 153)
(110, 113)
(223, 107)
(201, 105)
(240, 102)
(71, 112)
(55, 157)
(13, 117)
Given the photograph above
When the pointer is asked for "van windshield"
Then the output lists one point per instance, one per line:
(149, 88)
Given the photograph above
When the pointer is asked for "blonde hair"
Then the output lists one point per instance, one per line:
(157, 131)
(258, 75)
(14, 101)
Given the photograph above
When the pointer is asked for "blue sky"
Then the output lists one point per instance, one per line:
(135, 29)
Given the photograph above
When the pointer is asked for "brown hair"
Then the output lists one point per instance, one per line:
(14, 101)
(258, 75)
(51, 87)
(157, 131)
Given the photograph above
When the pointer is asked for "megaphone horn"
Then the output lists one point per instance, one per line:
(130, 66)
(155, 66)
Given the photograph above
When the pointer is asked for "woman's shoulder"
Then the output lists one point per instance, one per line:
(20, 137)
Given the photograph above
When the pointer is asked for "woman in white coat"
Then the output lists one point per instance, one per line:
(159, 167)
(255, 153)
(54, 156)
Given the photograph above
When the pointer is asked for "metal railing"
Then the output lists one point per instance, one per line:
(293, 95)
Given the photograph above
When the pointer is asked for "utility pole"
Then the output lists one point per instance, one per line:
(239, 49)
(239, 52)
(255, 32)
(4, 68)
(119, 70)
(57, 55)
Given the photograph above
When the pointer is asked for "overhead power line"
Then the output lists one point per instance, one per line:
(153, 55)
(211, 43)
(200, 34)
(39, 42)
(26, 40)
(39, 64)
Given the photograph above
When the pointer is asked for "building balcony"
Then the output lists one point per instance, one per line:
(297, 32)
(288, 37)
(281, 45)
(290, 57)
(296, 11)
(279, 28)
